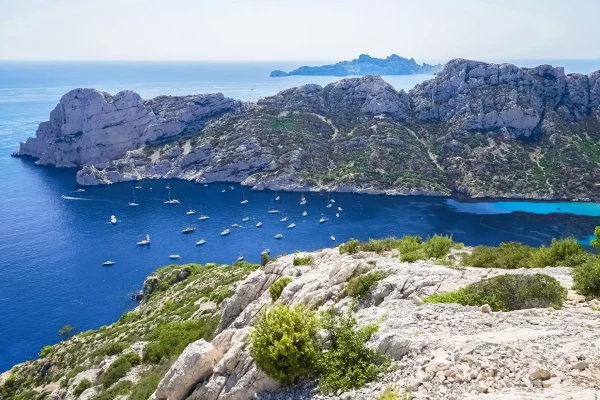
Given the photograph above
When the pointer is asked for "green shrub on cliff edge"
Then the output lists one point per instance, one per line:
(359, 286)
(278, 286)
(284, 343)
(586, 277)
(119, 368)
(507, 292)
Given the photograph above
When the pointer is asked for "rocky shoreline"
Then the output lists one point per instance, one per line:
(476, 129)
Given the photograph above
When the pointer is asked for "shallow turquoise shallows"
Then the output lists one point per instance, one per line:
(52, 248)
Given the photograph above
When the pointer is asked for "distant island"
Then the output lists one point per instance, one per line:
(365, 65)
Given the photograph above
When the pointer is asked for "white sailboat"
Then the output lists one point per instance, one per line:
(200, 242)
(278, 236)
(108, 263)
(134, 202)
(329, 205)
(113, 219)
(292, 225)
(337, 215)
(202, 216)
(332, 237)
(276, 197)
(302, 200)
(285, 219)
(225, 232)
(305, 213)
(138, 187)
(259, 224)
(191, 211)
(339, 208)
(223, 191)
(240, 258)
(188, 230)
(81, 190)
(144, 241)
(244, 201)
(174, 256)
(323, 219)
(235, 226)
(245, 219)
(265, 251)
(272, 210)
(231, 187)
(332, 200)
(169, 200)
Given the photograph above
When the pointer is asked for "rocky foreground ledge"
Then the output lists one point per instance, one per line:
(441, 351)
(479, 129)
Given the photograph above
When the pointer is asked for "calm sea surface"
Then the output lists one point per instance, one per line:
(52, 248)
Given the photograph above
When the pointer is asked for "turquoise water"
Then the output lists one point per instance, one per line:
(52, 248)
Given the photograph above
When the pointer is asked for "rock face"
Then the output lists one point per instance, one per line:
(365, 65)
(478, 129)
(90, 127)
(442, 351)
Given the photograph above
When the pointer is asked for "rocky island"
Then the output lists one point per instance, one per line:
(387, 319)
(365, 65)
(477, 129)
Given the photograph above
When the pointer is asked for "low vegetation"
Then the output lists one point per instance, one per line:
(285, 345)
(507, 292)
(586, 277)
(307, 260)
(81, 387)
(359, 286)
(119, 368)
(278, 286)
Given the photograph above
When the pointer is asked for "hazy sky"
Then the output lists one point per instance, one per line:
(297, 30)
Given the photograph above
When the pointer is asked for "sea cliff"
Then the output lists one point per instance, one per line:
(478, 129)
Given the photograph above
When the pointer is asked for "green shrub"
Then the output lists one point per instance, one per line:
(510, 255)
(82, 387)
(284, 343)
(438, 246)
(360, 285)
(586, 277)
(46, 351)
(129, 316)
(413, 256)
(507, 292)
(148, 383)
(169, 340)
(349, 363)
(264, 259)
(66, 331)
(119, 389)
(560, 253)
(119, 368)
(112, 348)
(380, 245)
(220, 294)
(596, 241)
(409, 244)
(303, 260)
(278, 286)
(351, 247)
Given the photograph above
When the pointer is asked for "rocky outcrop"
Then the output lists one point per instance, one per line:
(441, 351)
(90, 127)
(478, 129)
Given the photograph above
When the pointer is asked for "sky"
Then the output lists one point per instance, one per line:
(262, 30)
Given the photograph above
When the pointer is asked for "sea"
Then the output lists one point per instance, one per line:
(55, 238)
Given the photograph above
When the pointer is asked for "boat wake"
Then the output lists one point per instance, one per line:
(74, 198)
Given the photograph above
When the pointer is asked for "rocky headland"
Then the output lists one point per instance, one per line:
(478, 129)
(365, 65)
(439, 351)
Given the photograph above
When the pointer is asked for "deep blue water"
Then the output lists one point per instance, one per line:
(52, 249)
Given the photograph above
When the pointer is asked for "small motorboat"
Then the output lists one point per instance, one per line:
(273, 211)
(259, 224)
(144, 241)
(203, 217)
(332, 237)
(337, 215)
(169, 199)
(174, 256)
(113, 219)
(323, 219)
(138, 187)
(206, 184)
(240, 258)
(223, 191)
(302, 199)
(329, 205)
(292, 225)
(284, 219)
(225, 232)
(278, 236)
(80, 190)
(231, 187)
(191, 212)
(188, 230)
(265, 251)
(134, 204)
(200, 242)
(245, 219)
(305, 213)
(243, 201)
(339, 208)
(108, 263)
(332, 200)
(235, 226)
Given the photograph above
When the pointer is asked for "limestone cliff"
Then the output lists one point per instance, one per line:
(484, 130)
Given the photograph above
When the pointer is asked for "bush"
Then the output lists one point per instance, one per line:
(119, 389)
(284, 343)
(380, 245)
(144, 388)
(413, 256)
(264, 259)
(46, 350)
(66, 331)
(349, 363)
(586, 277)
(438, 246)
(119, 368)
(359, 286)
(169, 340)
(409, 244)
(278, 286)
(560, 253)
(303, 260)
(511, 255)
(113, 348)
(507, 292)
(351, 246)
(82, 387)
(130, 316)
